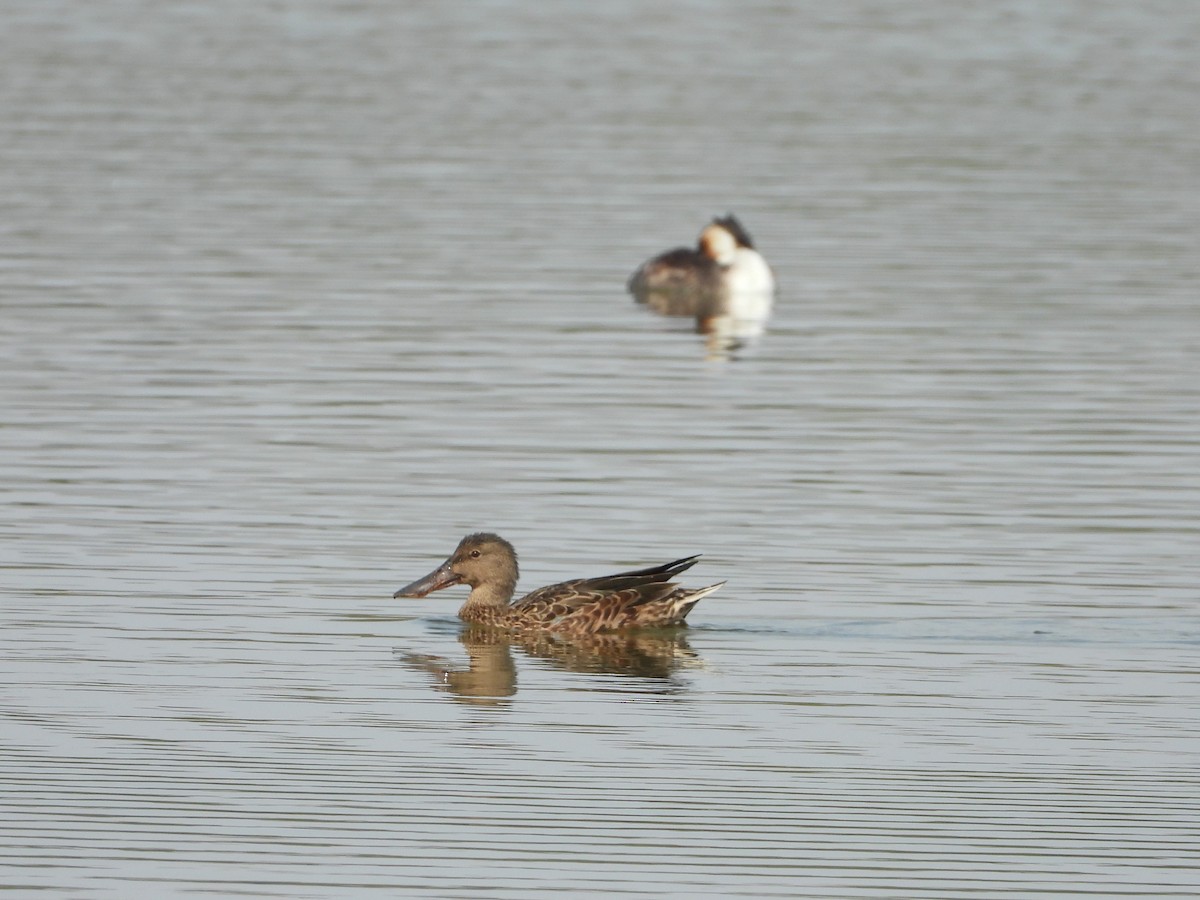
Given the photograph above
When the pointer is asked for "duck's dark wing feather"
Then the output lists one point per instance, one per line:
(624, 589)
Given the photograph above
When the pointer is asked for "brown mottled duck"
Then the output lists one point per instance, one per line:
(643, 598)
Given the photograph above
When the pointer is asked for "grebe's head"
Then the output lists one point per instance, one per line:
(730, 223)
(718, 244)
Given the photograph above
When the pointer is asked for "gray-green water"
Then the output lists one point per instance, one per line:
(294, 295)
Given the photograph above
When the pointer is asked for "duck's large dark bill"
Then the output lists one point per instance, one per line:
(439, 578)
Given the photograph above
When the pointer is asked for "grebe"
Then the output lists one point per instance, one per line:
(723, 277)
(644, 598)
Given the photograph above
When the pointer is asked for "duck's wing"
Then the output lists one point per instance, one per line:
(620, 591)
(669, 605)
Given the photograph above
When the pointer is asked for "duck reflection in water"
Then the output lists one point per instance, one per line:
(723, 283)
(490, 675)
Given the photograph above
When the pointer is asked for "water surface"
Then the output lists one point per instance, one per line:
(292, 298)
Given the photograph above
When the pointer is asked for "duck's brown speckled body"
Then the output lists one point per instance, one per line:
(643, 598)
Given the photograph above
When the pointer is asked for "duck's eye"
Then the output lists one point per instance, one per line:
(474, 554)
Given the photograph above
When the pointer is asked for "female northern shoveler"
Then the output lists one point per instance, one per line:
(723, 276)
(488, 563)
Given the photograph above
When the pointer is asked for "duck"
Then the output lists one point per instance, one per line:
(487, 563)
(722, 276)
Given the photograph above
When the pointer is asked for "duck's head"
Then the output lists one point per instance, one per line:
(479, 559)
(718, 243)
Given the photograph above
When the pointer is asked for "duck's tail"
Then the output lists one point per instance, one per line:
(684, 599)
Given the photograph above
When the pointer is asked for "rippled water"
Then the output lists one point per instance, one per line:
(293, 297)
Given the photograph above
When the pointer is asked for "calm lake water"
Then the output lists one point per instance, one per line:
(292, 296)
